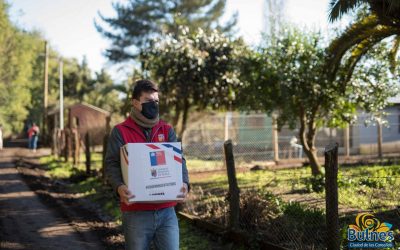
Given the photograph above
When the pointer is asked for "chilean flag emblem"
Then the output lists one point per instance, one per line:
(157, 158)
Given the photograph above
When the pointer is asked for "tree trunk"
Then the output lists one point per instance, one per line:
(185, 117)
(176, 116)
(312, 157)
(307, 141)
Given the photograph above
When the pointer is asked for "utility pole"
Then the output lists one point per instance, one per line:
(45, 90)
(61, 96)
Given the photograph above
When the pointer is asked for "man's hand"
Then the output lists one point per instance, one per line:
(184, 191)
(125, 194)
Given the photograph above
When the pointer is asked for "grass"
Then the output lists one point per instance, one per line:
(96, 191)
(59, 169)
(194, 165)
(191, 238)
(91, 187)
(373, 188)
(361, 187)
(301, 214)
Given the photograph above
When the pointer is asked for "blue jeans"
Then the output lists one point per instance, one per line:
(142, 227)
(33, 142)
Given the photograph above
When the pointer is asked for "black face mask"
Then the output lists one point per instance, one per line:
(150, 109)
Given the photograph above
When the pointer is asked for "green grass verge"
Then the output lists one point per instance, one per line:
(362, 187)
(201, 165)
(96, 191)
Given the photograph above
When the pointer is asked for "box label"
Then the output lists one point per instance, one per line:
(152, 171)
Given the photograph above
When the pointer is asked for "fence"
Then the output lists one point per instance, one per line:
(287, 207)
(257, 141)
(283, 207)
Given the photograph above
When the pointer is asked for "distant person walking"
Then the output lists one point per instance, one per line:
(1, 137)
(33, 134)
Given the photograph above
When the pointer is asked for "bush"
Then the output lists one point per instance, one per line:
(257, 208)
(315, 183)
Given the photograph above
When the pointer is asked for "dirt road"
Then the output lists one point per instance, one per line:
(26, 222)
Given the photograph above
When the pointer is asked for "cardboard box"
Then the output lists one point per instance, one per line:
(152, 171)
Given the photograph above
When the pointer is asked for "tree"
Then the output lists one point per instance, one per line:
(273, 16)
(381, 20)
(21, 77)
(287, 77)
(194, 70)
(18, 51)
(139, 21)
(104, 93)
(78, 81)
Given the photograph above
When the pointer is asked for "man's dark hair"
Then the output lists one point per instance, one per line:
(143, 86)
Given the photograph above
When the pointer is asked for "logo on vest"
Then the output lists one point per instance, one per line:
(161, 137)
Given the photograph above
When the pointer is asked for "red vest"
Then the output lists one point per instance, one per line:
(132, 133)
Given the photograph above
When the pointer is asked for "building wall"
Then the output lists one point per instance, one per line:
(88, 120)
(390, 132)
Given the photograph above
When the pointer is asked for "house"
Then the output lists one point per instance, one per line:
(364, 134)
(85, 117)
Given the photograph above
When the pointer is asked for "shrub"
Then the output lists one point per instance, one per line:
(315, 183)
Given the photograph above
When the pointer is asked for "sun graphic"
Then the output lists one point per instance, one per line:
(368, 221)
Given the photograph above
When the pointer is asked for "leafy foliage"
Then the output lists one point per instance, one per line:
(22, 73)
(137, 22)
(194, 70)
(18, 50)
(380, 20)
(315, 183)
(287, 77)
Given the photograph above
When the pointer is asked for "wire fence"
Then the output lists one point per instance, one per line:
(286, 207)
(254, 140)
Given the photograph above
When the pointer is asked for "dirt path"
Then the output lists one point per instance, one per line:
(27, 223)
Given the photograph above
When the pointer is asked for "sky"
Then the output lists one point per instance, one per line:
(69, 24)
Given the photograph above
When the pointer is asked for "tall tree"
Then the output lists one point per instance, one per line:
(139, 21)
(194, 70)
(105, 93)
(78, 81)
(381, 20)
(287, 77)
(273, 17)
(18, 51)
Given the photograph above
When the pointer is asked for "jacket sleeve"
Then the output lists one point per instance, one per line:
(113, 161)
(185, 174)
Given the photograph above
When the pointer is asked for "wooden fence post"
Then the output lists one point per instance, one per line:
(87, 153)
(75, 147)
(233, 195)
(105, 143)
(379, 126)
(275, 140)
(67, 144)
(54, 147)
(347, 140)
(331, 197)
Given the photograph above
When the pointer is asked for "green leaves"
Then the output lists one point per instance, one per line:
(340, 7)
(195, 69)
(21, 78)
(288, 76)
(18, 50)
(138, 22)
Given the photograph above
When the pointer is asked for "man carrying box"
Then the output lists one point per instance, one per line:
(144, 222)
